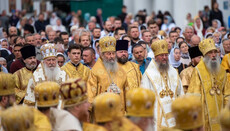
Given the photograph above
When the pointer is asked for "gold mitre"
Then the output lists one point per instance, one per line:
(225, 118)
(107, 43)
(187, 111)
(7, 84)
(47, 94)
(48, 50)
(18, 118)
(140, 102)
(207, 45)
(107, 107)
(73, 92)
(160, 47)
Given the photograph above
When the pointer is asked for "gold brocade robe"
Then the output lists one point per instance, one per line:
(76, 72)
(185, 76)
(202, 85)
(22, 78)
(92, 127)
(124, 124)
(41, 121)
(226, 64)
(133, 74)
(99, 81)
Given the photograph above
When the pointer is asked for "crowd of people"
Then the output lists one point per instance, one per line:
(124, 73)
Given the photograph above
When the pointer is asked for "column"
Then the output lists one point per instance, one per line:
(18, 4)
(163, 5)
(49, 6)
(142, 4)
(36, 6)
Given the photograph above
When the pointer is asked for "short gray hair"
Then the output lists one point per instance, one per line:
(2, 59)
(188, 27)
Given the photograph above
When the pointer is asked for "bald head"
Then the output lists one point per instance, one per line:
(195, 40)
(13, 30)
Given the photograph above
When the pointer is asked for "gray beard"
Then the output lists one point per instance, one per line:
(51, 72)
(163, 67)
(110, 66)
(213, 66)
(31, 67)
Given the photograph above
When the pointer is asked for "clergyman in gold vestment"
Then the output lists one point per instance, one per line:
(23, 75)
(106, 75)
(209, 81)
(132, 69)
(74, 68)
(186, 74)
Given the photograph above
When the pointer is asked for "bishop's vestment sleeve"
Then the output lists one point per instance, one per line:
(226, 91)
(145, 82)
(195, 84)
(180, 89)
(225, 62)
(92, 87)
(30, 98)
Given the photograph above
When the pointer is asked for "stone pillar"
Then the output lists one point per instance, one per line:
(143, 4)
(36, 6)
(49, 6)
(18, 4)
(129, 5)
(182, 7)
(163, 5)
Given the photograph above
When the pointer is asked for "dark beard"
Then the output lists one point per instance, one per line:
(107, 30)
(122, 60)
(136, 38)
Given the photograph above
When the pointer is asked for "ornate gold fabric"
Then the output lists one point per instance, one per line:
(185, 76)
(92, 127)
(202, 82)
(225, 118)
(18, 118)
(41, 121)
(76, 72)
(107, 107)
(22, 78)
(140, 102)
(207, 45)
(107, 43)
(188, 112)
(123, 124)
(48, 50)
(99, 81)
(133, 74)
(226, 62)
(159, 47)
(73, 92)
(7, 84)
(47, 94)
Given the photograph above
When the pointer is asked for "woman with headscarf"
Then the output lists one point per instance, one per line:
(216, 24)
(174, 59)
(185, 58)
(53, 19)
(198, 27)
(168, 24)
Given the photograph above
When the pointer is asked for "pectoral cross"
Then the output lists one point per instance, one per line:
(167, 91)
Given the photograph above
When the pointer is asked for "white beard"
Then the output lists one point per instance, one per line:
(111, 66)
(212, 65)
(51, 72)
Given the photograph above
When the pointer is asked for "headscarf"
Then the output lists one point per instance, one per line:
(172, 60)
(53, 20)
(169, 20)
(199, 30)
